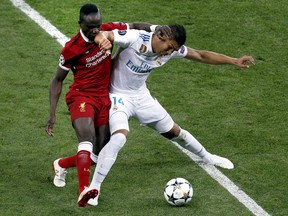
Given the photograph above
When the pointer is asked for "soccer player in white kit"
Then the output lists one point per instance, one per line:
(140, 52)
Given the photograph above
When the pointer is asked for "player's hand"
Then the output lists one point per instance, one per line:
(103, 42)
(242, 62)
(49, 127)
(165, 31)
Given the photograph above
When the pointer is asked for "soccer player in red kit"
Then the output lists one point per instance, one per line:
(87, 99)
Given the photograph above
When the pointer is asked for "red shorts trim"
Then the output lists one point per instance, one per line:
(83, 105)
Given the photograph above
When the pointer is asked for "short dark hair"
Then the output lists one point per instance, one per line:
(86, 10)
(179, 34)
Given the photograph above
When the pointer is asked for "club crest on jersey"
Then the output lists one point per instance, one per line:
(143, 48)
(122, 32)
(82, 107)
(115, 108)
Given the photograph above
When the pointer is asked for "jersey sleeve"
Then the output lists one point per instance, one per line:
(114, 25)
(181, 53)
(125, 38)
(68, 55)
(74, 48)
(62, 63)
(65, 58)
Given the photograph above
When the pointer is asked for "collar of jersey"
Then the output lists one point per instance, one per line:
(84, 37)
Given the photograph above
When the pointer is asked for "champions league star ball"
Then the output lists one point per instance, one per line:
(178, 192)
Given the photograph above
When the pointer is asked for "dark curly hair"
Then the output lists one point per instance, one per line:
(179, 34)
(86, 10)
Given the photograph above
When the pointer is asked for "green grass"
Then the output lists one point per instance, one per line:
(240, 114)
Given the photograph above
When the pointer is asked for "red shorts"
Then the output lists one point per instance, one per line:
(84, 105)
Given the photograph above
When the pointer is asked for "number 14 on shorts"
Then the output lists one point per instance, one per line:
(116, 101)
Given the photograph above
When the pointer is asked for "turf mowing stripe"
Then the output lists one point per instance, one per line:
(211, 170)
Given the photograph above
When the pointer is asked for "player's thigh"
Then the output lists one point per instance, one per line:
(118, 121)
(121, 103)
(82, 116)
(85, 129)
(101, 110)
(80, 106)
(121, 110)
(163, 125)
(154, 115)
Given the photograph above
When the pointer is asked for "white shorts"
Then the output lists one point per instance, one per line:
(145, 108)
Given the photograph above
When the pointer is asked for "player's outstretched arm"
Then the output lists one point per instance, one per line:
(218, 58)
(242, 62)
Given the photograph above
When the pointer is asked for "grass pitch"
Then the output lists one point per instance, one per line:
(240, 114)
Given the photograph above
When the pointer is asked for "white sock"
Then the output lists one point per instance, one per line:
(187, 141)
(107, 158)
(94, 157)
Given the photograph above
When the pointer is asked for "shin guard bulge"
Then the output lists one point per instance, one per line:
(83, 164)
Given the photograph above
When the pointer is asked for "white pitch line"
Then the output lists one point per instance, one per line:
(227, 184)
(211, 170)
(41, 21)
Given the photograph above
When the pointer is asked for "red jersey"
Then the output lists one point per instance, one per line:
(91, 66)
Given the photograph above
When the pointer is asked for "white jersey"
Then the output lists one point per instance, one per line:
(135, 61)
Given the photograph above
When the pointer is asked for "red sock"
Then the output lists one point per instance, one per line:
(68, 161)
(83, 168)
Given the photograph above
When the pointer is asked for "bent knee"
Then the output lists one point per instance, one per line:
(173, 132)
(123, 131)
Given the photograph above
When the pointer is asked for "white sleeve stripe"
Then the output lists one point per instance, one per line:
(63, 67)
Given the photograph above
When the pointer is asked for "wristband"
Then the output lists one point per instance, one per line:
(153, 28)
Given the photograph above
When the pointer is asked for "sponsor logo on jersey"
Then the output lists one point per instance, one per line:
(92, 58)
(122, 32)
(96, 59)
(82, 107)
(143, 48)
(141, 69)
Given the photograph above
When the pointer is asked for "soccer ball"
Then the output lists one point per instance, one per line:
(178, 192)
